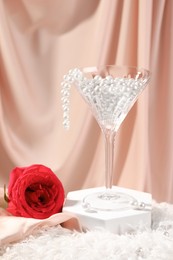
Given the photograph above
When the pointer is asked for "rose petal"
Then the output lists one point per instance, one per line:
(36, 192)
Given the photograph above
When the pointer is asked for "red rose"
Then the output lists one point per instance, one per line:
(35, 192)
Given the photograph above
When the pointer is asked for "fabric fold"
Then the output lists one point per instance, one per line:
(13, 229)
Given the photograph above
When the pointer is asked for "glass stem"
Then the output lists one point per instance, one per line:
(109, 157)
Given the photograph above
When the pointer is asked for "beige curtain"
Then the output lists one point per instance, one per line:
(39, 42)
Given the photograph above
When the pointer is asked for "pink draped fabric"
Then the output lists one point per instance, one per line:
(39, 42)
(14, 229)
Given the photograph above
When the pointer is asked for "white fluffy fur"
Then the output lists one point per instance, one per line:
(56, 243)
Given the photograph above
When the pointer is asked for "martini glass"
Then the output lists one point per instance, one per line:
(110, 92)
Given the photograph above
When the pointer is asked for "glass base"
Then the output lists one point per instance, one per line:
(108, 201)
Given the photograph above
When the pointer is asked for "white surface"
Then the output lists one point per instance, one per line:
(115, 221)
(57, 243)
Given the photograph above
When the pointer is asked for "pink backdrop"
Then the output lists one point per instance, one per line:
(39, 42)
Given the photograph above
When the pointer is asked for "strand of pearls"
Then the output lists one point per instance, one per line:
(69, 79)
